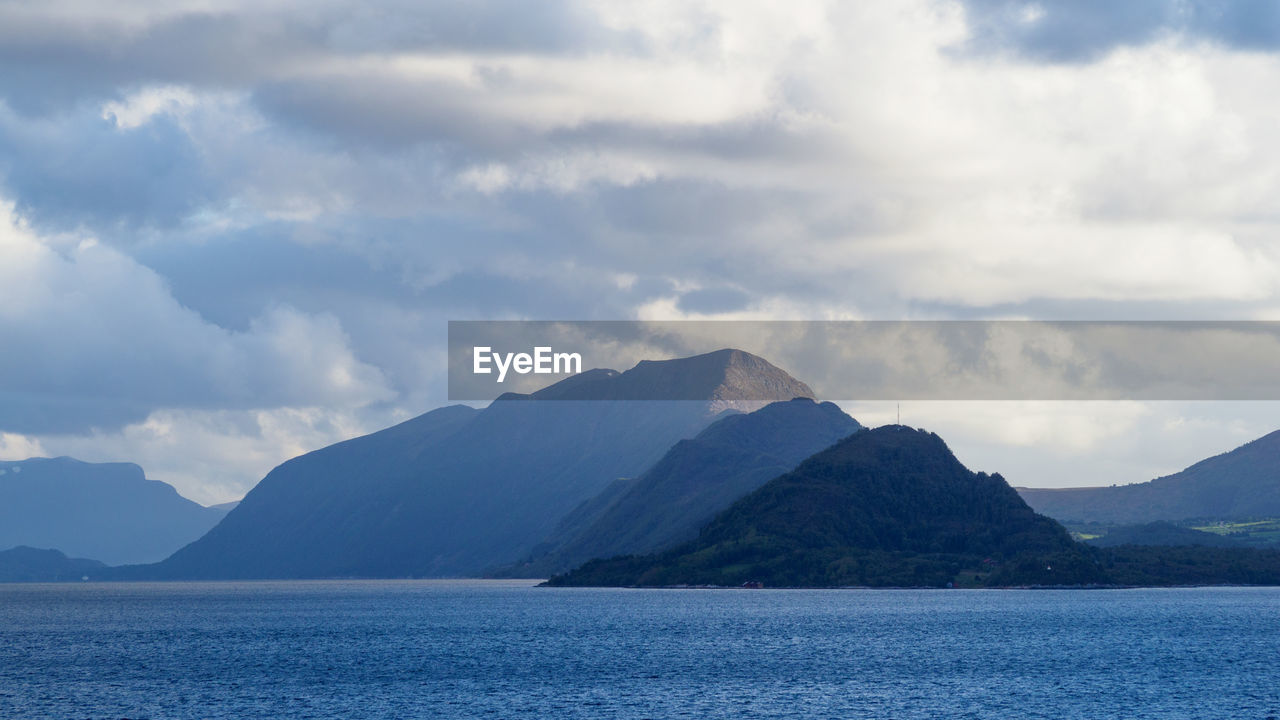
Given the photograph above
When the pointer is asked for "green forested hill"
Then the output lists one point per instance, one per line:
(884, 507)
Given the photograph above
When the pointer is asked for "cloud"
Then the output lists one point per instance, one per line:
(19, 447)
(130, 164)
(215, 456)
(1085, 30)
(92, 339)
(673, 141)
(1066, 444)
(832, 157)
(713, 301)
(68, 51)
(140, 107)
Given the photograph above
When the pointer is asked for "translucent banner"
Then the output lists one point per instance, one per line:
(882, 360)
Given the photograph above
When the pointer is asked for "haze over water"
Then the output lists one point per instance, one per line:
(504, 649)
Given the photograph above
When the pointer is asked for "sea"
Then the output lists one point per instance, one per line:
(498, 649)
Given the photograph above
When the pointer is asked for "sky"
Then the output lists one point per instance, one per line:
(233, 232)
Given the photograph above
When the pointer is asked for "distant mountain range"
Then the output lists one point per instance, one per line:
(459, 491)
(604, 478)
(106, 511)
(1243, 483)
(885, 507)
(696, 479)
(27, 564)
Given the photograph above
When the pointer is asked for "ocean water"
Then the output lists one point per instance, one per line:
(474, 649)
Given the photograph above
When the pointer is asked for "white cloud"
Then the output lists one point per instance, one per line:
(20, 447)
(487, 179)
(138, 108)
(855, 133)
(548, 93)
(216, 456)
(93, 330)
(1147, 175)
(1094, 261)
(1074, 444)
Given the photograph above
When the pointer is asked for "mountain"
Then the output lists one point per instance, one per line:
(1243, 483)
(460, 491)
(884, 507)
(107, 511)
(726, 379)
(27, 564)
(696, 479)
(1160, 533)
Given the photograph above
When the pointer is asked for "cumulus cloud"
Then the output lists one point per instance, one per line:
(215, 456)
(140, 107)
(14, 446)
(1067, 444)
(84, 170)
(706, 141)
(93, 339)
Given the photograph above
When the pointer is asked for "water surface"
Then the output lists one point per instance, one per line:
(477, 649)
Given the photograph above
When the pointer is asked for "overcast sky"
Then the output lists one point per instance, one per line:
(232, 232)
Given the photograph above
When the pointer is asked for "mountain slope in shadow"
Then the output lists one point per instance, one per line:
(106, 511)
(459, 491)
(696, 479)
(885, 507)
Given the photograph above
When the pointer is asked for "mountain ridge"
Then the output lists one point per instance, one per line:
(890, 506)
(729, 378)
(27, 564)
(694, 480)
(460, 491)
(110, 512)
(1240, 483)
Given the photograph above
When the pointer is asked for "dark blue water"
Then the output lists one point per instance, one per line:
(506, 650)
